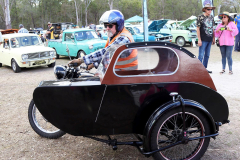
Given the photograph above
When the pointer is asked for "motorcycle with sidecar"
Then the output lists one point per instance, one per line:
(169, 103)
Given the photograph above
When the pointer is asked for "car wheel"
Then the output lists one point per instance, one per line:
(51, 65)
(181, 41)
(15, 66)
(168, 130)
(57, 55)
(40, 125)
(80, 54)
(0, 64)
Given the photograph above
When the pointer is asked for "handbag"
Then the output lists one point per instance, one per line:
(217, 41)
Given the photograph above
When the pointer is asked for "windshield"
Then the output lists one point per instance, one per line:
(18, 42)
(136, 30)
(83, 35)
(102, 68)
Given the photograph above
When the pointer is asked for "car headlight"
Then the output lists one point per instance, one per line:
(90, 46)
(24, 56)
(52, 53)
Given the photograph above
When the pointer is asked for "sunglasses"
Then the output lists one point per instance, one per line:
(108, 25)
(224, 17)
(209, 9)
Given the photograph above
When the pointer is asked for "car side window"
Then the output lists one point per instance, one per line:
(68, 37)
(130, 30)
(6, 43)
(147, 61)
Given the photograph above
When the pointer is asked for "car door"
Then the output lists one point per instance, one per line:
(69, 40)
(5, 52)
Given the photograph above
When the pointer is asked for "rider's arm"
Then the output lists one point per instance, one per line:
(96, 57)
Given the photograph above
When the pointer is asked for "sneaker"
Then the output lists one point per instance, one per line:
(209, 71)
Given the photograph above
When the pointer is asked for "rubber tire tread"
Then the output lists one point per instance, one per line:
(56, 135)
(51, 65)
(157, 155)
(18, 69)
(184, 41)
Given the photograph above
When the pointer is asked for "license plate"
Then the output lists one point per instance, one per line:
(40, 62)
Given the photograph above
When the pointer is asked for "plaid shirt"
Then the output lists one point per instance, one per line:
(96, 57)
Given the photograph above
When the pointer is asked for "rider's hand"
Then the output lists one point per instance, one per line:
(78, 61)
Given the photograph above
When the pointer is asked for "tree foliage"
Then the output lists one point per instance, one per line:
(36, 13)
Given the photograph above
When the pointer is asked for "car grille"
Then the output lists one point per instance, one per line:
(38, 55)
(163, 39)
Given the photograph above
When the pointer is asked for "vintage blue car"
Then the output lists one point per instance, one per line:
(79, 41)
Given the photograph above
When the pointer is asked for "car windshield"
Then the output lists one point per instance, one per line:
(18, 42)
(136, 30)
(83, 35)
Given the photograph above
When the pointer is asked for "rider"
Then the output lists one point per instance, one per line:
(117, 34)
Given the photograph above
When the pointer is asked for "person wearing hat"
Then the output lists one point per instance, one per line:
(237, 37)
(50, 31)
(225, 32)
(22, 29)
(205, 33)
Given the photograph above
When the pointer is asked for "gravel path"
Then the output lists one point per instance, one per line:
(19, 141)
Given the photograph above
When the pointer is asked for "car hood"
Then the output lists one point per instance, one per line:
(188, 21)
(156, 25)
(31, 49)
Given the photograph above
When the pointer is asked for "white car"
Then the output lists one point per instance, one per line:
(25, 50)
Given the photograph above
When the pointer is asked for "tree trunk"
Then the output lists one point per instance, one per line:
(110, 3)
(7, 15)
(76, 11)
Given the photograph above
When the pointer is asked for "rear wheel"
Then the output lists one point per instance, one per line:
(168, 130)
(57, 55)
(40, 125)
(181, 41)
(15, 66)
(80, 54)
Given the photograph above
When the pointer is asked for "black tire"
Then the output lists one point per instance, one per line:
(180, 41)
(52, 64)
(15, 66)
(80, 54)
(168, 130)
(0, 64)
(57, 55)
(34, 117)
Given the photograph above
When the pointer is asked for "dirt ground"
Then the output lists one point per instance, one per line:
(19, 141)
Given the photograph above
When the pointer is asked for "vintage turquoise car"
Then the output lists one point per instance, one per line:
(79, 41)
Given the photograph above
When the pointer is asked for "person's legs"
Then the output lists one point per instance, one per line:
(207, 53)
(202, 51)
(223, 52)
(237, 38)
(229, 56)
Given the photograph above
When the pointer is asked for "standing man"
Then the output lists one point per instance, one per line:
(22, 29)
(205, 33)
(237, 37)
(50, 31)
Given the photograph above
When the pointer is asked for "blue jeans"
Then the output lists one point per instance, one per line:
(237, 45)
(226, 52)
(204, 52)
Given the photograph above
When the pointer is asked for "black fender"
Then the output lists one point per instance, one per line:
(169, 106)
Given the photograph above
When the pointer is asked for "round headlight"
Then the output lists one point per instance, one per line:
(90, 46)
(24, 56)
(52, 53)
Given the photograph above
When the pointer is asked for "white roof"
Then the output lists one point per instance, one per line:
(12, 35)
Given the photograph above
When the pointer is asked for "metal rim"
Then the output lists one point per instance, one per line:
(180, 41)
(81, 54)
(14, 67)
(166, 135)
(38, 118)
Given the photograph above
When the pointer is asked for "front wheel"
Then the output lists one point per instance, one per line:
(40, 125)
(80, 54)
(51, 65)
(181, 41)
(15, 66)
(168, 130)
